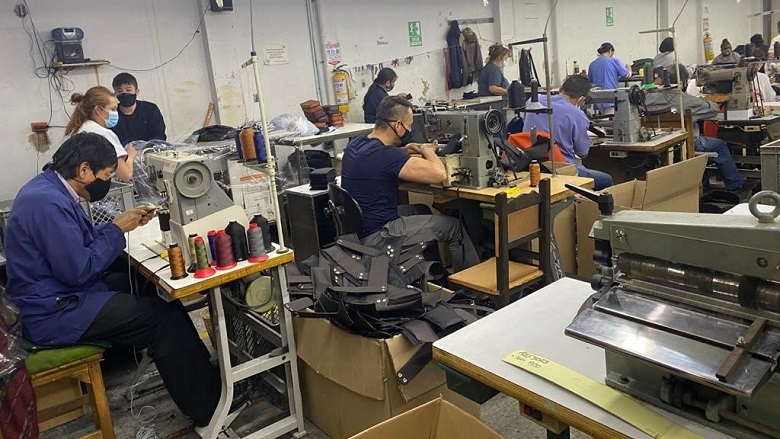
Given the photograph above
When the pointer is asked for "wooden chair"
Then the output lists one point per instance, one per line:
(518, 221)
(79, 363)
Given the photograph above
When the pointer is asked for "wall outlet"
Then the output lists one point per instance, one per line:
(39, 127)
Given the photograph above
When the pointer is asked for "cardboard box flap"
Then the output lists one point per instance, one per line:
(400, 351)
(670, 181)
(349, 360)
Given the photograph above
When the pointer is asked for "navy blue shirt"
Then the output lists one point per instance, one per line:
(369, 172)
(371, 103)
(491, 75)
(146, 123)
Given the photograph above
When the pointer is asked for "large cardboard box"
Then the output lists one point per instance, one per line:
(437, 419)
(348, 382)
(673, 188)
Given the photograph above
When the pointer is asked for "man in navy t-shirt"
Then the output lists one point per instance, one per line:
(138, 120)
(370, 172)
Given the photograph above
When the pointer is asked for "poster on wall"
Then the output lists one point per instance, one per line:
(275, 54)
(415, 34)
(333, 53)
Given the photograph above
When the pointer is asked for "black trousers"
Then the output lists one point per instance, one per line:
(165, 329)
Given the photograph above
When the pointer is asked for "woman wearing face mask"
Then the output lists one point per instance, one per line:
(379, 89)
(491, 80)
(96, 112)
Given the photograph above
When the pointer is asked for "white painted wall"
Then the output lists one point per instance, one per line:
(135, 34)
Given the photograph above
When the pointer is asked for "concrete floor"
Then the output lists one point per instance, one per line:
(156, 409)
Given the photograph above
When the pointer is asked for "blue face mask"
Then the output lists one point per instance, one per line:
(113, 119)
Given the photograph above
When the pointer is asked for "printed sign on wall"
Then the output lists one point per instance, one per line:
(333, 53)
(415, 34)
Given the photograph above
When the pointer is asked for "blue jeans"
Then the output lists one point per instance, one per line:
(601, 180)
(725, 163)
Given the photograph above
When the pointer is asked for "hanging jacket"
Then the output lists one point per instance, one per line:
(56, 260)
(455, 57)
(472, 55)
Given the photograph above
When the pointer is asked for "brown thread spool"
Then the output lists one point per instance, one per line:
(224, 248)
(535, 172)
(193, 258)
(201, 256)
(247, 138)
(176, 259)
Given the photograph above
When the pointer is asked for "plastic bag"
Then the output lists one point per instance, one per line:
(299, 125)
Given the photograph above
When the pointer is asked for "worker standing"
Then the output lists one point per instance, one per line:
(491, 80)
(605, 71)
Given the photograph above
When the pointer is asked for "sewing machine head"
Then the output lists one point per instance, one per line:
(466, 137)
(626, 123)
(189, 182)
(688, 312)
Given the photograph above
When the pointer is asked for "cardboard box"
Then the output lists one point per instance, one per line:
(437, 419)
(673, 188)
(348, 382)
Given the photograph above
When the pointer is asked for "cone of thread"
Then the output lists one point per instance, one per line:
(193, 262)
(262, 223)
(237, 235)
(256, 247)
(224, 249)
(248, 144)
(535, 172)
(176, 260)
(212, 235)
(202, 260)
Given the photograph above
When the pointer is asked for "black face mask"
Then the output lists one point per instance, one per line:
(406, 138)
(126, 99)
(98, 189)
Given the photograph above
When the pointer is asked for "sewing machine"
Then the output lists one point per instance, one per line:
(626, 124)
(736, 81)
(476, 164)
(688, 311)
(190, 183)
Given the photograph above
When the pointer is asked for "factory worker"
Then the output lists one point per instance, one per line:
(57, 264)
(378, 90)
(96, 112)
(665, 57)
(138, 120)
(491, 80)
(605, 71)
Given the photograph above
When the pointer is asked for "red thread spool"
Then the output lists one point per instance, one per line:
(223, 246)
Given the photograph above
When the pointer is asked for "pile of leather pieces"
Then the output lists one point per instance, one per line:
(335, 119)
(320, 116)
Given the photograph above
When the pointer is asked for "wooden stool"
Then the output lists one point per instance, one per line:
(82, 364)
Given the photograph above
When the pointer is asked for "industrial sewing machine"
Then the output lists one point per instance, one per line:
(470, 133)
(738, 82)
(190, 183)
(688, 312)
(626, 124)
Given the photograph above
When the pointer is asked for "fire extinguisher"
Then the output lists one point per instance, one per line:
(709, 54)
(341, 87)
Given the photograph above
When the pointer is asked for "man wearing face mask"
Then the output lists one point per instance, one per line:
(57, 266)
(371, 170)
(138, 120)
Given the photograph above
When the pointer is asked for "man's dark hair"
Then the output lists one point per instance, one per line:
(92, 148)
(122, 79)
(576, 86)
(391, 108)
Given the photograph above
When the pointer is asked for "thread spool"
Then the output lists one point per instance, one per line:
(239, 152)
(212, 235)
(237, 234)
(202, 259)
(262, 223)
(176, 259)
(224, 250)
(648, 79)
(535, 172)
(193, 264)
(165, 226)
(259, 143)
(665, 77)
(248, 144)
(256, 247)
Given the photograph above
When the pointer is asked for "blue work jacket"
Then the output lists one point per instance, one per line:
(56, 261)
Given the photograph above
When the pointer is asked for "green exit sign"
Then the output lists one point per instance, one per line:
(609, 16)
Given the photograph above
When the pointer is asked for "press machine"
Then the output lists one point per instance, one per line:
(687, 309)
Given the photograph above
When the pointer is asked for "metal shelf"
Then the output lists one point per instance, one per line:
(93, 63)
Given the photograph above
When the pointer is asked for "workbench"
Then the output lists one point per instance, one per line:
(745, 136)
(629, 161)
(536, 324)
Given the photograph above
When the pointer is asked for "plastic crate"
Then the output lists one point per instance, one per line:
(119, 199)
(770, 166)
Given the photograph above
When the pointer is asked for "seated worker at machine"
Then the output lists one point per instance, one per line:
(700, 110)
(726, 55)
(665, 57)
(57, 262)
(765, 90)
(371, 169)
(96, 113)
(138, 120)
(605, 71)
(491, 80)
(378, 90)
(570, 126)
